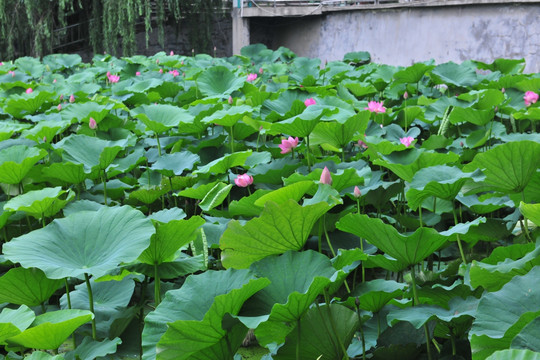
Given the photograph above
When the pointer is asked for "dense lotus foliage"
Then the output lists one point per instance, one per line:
(162, 206)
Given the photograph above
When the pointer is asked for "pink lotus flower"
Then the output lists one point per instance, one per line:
(114, 78)
(59, 107)
(71, 98)
(251, 77)
(530, 98)
(407, 141)
(92, 124)
(12, 73)
(171, 53)
(138, 73)
(161, 71)
(243, 180)
(1, 63)
(309, 102)
(230, 100)
(108, 73)
(174, 72)
(326, 178)
(362, 144)
(357, 193)
(376, 107)
(288, 144)
(29, 91)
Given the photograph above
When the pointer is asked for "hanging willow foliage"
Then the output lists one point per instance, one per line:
(27, 26)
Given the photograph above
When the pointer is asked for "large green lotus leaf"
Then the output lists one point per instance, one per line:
(508, 167)
(288, 104)
(296, 279)
(440, 181)
(325, 194)
(40, 203)
(82, 112)
(162, 117)
(30, 65)
(338, 134)
(374, 294)
(531, 212)
(181, 266)
(14, 321)
(341, 179)
(293, 191)
(94, 153)
(174, 164)
(302, 124)
(413, 73)
(92, 242)
(7, 128)
(406, 163)
(66, 171)
(421, 314)
(45, 130)
(40, 355)
(473, 116)
(16, 161)
(215, 196)
(514, 354)
(62, 61)
(462, 75)
(191, 317)
(246, 205)
(275, 171)
(501, 315)
(198, 192)
(223, 164)
(279, 228)
(50, 330)
(229, 116)
(169, 238)
(28, 104)
(218, 81)
(92, 349)
(321, 331)
(27, 286)
(485, 99)
(167, 215)
(503, 264)
(484, 204)
(408, 249)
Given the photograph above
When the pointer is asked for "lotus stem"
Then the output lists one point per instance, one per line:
(91, 305)
(298, 332)
(157, 286)
(158, 145)
(307, 154)
(357, 303)
(416, 302)
(333, 325)
(525, 226)
(232, 139)
(457, 235)
(327, 237)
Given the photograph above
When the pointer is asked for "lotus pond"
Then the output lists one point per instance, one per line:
(159, 207)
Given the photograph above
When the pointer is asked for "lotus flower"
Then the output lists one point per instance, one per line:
(326, 178)
(92, 124)
(310, 101)
(261, 70)
(114, 78)
(530, 98)
(12, 73)
(357, 193)
(161, 71)
(251, 77)
(407, 141)
(405, 95)
(29, 91)
(243, 180)
(171, 53)
(174, 72)
(59, 107)
(288, 144)
(138, 73)
(1, 63)
(54, 81)
(362, 144)
(376, 107)
(72, 98)
(230, 100)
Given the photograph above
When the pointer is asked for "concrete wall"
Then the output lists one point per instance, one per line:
(404, 35)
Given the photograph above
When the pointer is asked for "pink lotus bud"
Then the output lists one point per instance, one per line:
(182, 62)
(326, 178)
(357, 193)
(1, 63)
(230, 101)
(503, 90)
(261, 70)
(108, 73)
(376, 107)
(29, 91)
(157, 61)
(309, 102)
(71, 98)
(12, 73)
(243, 180)
(407, 141)
(171, 53)
(461, 143)
(161, 71)
(530, 98)
(44, 139)
(92, 124)
(251, 77)
(59, 107)
(54, 81)
(288, 144)
(406, 95)
(61, 97)
(138, 73)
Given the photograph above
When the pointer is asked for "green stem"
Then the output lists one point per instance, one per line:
(158, 145)
(361, 329)
(327, 237)
(417, 302)
(68, 297)
(105, 185)
(232, 139)
(525, 226)
(91, 304)
(298, 332)
(43, 220)
(307, 154)
(157, 286)
(333, 324)
(174, 197)
(43, 310)
(457, 235)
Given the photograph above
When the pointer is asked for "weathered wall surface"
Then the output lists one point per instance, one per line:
(402, 36)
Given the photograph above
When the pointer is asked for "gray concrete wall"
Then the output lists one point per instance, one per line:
(402, 36)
